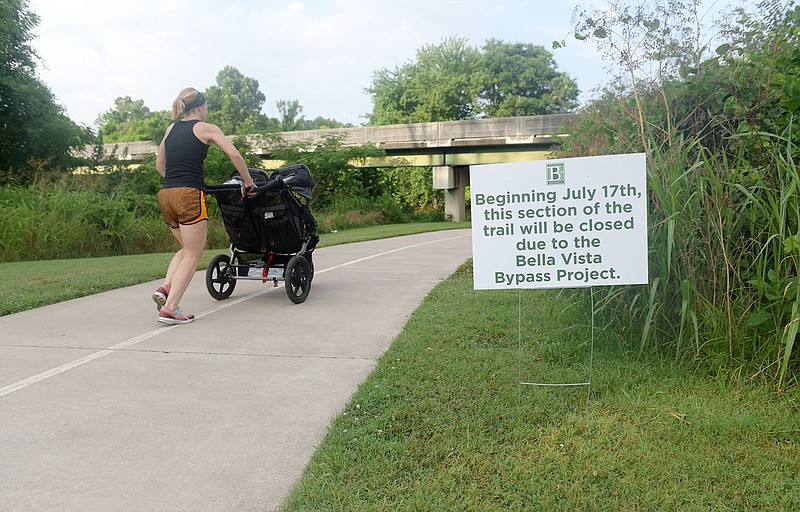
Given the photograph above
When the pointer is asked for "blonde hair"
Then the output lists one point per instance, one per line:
(186, 97)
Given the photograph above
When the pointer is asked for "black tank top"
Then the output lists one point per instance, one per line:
(185, 154)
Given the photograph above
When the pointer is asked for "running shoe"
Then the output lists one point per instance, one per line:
(174, 317)
(160, 297)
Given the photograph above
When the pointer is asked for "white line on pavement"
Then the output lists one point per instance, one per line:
(16, 386)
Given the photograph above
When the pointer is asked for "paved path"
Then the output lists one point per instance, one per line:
(104, 409)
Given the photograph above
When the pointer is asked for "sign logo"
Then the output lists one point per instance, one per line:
(555, 174)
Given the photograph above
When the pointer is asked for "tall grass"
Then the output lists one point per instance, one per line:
(117, 214)
(723, 183)
(720, 135)
(724, 253)
(772, 217)
(58, 223)
(349, 212)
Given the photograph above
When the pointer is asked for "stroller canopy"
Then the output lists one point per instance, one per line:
(298, 178)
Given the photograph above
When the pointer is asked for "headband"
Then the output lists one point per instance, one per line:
(196, 103)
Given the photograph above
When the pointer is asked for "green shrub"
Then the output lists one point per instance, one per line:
(724, 212)
(349, 212)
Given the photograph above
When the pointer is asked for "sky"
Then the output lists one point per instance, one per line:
(321, 53)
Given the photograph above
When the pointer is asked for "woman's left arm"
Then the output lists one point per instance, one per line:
(212, 133)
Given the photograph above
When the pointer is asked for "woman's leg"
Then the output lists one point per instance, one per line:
(176, 259)
(184, 264)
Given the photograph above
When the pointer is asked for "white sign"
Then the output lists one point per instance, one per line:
(560, 223)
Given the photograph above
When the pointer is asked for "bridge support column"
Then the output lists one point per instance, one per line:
(454, 181)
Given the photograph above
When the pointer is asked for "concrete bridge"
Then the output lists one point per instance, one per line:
(449, 147)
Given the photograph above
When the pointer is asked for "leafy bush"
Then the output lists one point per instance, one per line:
(349, 212)
(331, 164)
(412, 187)
(724, 203)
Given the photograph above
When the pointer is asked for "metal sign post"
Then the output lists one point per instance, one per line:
(521, 383)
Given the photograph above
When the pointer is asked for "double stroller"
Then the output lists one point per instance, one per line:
(272, 232)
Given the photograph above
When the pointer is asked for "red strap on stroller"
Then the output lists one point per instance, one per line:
(266, 267)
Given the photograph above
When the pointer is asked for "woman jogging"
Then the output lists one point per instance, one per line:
(182, 199)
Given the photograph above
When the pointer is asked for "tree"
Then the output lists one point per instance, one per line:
(235, 103)
(522, 80)
(33, 127)
(445, 81)
(442, 85)
(648, 42)
(291, 113)
(131, 121)
(764, 64)
(391, 98)
(455, 81)
(321, 123)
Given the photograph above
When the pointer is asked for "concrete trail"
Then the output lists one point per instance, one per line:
(104, 409)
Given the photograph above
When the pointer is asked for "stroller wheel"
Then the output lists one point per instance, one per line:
(220, 281)
(297, 277)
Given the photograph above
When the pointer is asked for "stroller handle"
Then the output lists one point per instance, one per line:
(277, 182)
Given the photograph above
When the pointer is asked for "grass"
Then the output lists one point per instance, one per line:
(441, 424)
(32, 284)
